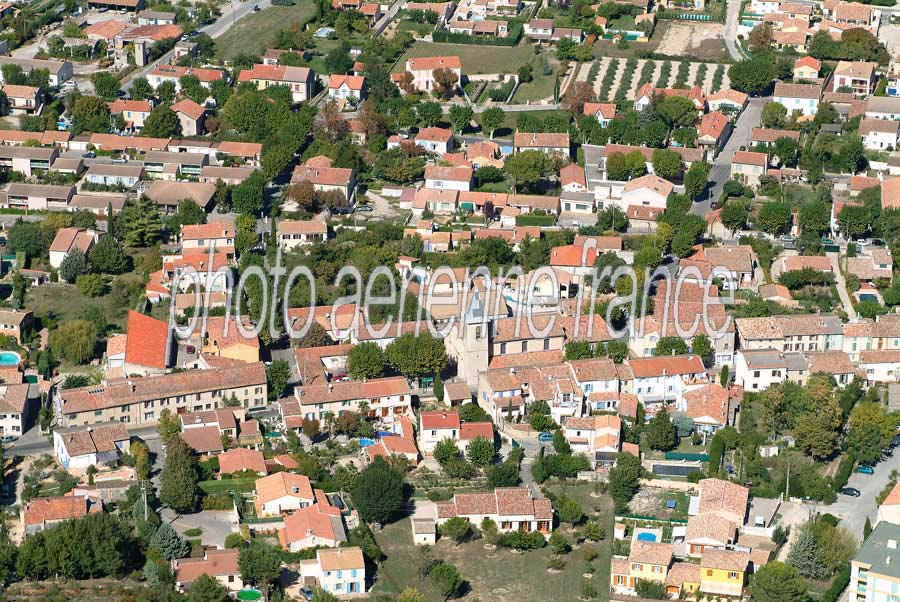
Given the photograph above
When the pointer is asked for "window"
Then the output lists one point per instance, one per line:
(732, 575)
(756, 373)
(637, 567)
(98, 412)
(502, 347)
(546, 344)
(709, 573)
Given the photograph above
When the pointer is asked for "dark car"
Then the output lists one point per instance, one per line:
(851, 491)
(306, 592)
(364, 208)
(341, 210)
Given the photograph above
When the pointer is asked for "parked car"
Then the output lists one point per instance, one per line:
(307, 593)
(851, 491)
(190, 349)
(364, 208)
(8, 439)
(545, 437)
(866, 470)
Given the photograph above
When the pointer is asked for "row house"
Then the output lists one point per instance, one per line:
(881, 366)
(747, 167)
(821, 332)
(757, 370)
(138, 401)
(860, 335)
(37, 197)
(23, 100)
(114, 174)
(386, 398)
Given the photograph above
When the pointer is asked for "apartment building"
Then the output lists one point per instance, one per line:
(875, 570)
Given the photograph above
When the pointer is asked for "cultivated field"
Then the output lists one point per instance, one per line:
(612, 83)
(475, 59)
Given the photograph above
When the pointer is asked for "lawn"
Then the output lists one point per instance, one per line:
(226, 485)
(496, 575)
(65, 302)
(474, 59)
(797, 195)
(256, 32)
(417, 29)
(541, 86)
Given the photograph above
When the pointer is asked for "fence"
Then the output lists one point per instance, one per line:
(512, 39)
(672, 15)
(687, 456)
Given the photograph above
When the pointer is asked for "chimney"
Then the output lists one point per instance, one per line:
(892, 544)
(295, 489)
(131, 386)
(330, 387)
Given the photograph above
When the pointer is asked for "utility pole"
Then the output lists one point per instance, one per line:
(144, 496)
(787, 484)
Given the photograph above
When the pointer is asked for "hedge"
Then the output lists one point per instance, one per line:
(447, 37)
(841, 581)
(535, 220)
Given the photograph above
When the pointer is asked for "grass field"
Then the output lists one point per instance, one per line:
(255, 32)
(226, 485)
(497, 575)
(475, 59)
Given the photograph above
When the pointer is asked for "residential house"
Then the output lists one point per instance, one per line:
(201, 238)
(548, 143)
(15, 413)
(76, 448)
(807, 69)
(435, 140)
(190, 117)
(15, 323)
(148, 348)
(423, 68)
(858, 77)
(242, 460)
(232, 176)
(647, 561)
(23, 100)
(605, 112)
(299, 233)
(60, 71)
(435, 426)
(728, 101)
(168, 194)
(647, 94)
(336, 570)
(282, 492)
(221, 565)
(804, 98)
(820, 332)
(747, 167)
(663, 381)
(134, 112)
(879, 134)
(448, 178)
(598, 437)
(710, 406)
(45, 512)
(511, 508)
(572, 179)
(319, 525)
(889, 510)
(714, 130)
(402, 443)
(872, 264)
(223, 337)
(174, 73)
(248, 152)
(347, 87)
(153, 17)
(300, 80)
(325, 178)
(386, 398)
(69, 239)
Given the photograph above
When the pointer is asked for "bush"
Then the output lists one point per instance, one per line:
(838, 584)
(844, 471)
(556, 563)
(522, 541)
(234, 540)
(512, 39)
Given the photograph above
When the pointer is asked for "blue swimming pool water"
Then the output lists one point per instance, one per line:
(9, 358)
(868, 297)
(366, 442)
(645, 536)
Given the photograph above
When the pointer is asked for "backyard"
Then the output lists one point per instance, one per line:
(256, 31)
(499, 575)
(474, 59)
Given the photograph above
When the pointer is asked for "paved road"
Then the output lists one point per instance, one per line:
(721, 167)
(729, 34)
(853, 511)
(213, 30)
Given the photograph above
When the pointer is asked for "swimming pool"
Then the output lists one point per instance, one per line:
(366, 442)
(646, 536)
(9, 358)
(249, 595)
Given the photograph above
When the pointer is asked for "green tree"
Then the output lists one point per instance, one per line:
(278, 374)
(774, 115)
(169, 543)
(735, 214)
(677, 111)
(92, 285)
(430, 113)
(206, 589)
(752, 76)
(667, 163)
(702, 346)
(480, 451)
(445, 451)
(90, 114)
(505, 474)
(815, 217)
(491, 119)
(805, 554)
(142, 223)
(696, 179)
(411, 594)
(651, 590)
(778, 582)
(457, 528)
(26, 237)
(774, 217)
(260, 563)
(165, 91)
(447, 580)
(526, 168)
(108, 257)
(624, 480)
(366, 360)
(569, 511)
(106, 86)
(378, 492)
(168, 426)
(178, 482)
(671, 346)
(460, 117)
(74, 341)
(73, 265)
(417, 355)
(162, 122)
(660, 431)
(141, 89)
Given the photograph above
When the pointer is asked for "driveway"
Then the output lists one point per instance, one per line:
(729, 34)
(854, 510)
(216, 525)
(841, 284)
(721, 167)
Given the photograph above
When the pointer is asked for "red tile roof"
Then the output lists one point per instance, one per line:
(148, 341)
(240, 458)
(438, 419)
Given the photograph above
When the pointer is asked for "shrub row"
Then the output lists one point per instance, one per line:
(664, 73)
(608, 78)
(515, 33)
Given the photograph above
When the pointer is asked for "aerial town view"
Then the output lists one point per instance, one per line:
(465, 300)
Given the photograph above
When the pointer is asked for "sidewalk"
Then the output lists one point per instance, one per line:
(841, 284)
